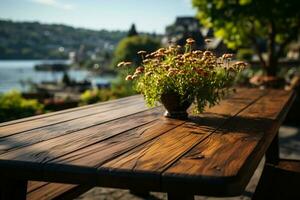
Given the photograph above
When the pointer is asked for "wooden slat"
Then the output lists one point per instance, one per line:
(156, 129)
(90, 156)
(59, 146)
(289, 165)
(230, 155)
(272, 107)
(99, 153)
(49, 191)
(73, 110)
(45, 133)
(153, 157)
(65, 117)
(33, 185)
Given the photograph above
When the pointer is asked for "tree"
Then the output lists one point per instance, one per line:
(132, 31)
(128, 47)
(244, 23)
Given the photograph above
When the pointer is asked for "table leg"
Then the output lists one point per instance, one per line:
(264, 186)
(180, 196)
(13, 189)
(272, 154)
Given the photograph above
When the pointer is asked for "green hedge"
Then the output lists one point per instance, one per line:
(14, 106)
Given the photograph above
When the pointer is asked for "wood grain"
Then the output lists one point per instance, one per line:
(41, 122)
(49, 191)
(156, 155)
(73, 110)
(133, 147)
(66, 144)
(33, 185)
(230, 155)
(45, 133)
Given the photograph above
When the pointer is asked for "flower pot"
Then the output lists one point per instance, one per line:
(176, 105)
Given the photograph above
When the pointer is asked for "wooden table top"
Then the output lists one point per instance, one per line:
(124, 144)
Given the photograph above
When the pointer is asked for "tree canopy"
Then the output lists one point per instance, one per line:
(253, 23)
(132, 31)
(128, 47)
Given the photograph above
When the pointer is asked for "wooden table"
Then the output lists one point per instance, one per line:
(124, 144)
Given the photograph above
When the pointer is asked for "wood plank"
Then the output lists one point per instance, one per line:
(45, 133)
(289, 165)
(15, 128)
(59, 146)
(49, 191)
(74, 110)
(33, 185)
(45, 191)
(151, 158)
(274, 106)
(70, 168)
(96, 154)
(230, 155)
(63, 169)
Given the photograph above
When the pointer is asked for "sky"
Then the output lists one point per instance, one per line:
(148, 15)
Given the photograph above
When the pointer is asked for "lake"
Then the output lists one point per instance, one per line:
(14, 74)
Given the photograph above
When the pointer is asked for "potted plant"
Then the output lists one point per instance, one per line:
(179, 76)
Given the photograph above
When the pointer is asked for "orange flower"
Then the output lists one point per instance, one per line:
(207, 53)
(161, 50)
(120, 64)
(128, 78)
(134, 76)
(240, 64)
(141, 52)
(141, 69)
(227, 55)
(190, 41)
(127, 63)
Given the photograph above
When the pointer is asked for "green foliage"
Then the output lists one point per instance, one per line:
(198, 76)
(127, 48)
(237, 21)
(256, 24)
(245, 54)
(32, 40)
(120, 88)
(91, 96)
(14, 106)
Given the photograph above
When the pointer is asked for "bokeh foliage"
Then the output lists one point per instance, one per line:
(270, 24)
(128, 47)
(14, 106)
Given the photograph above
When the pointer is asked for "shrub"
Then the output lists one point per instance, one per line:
(14, 106)
(119, 89)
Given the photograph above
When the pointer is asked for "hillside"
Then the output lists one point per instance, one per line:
(32, 40)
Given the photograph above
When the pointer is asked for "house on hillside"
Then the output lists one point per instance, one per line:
(185, 27)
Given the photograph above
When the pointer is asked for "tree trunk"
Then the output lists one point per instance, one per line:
(271, 67)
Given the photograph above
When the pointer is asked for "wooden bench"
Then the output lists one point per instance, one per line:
(43, 190)
(124, 144)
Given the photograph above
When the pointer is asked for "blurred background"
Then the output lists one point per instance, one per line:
(58, 54)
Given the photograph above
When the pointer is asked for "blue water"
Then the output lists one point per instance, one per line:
(15, 74)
